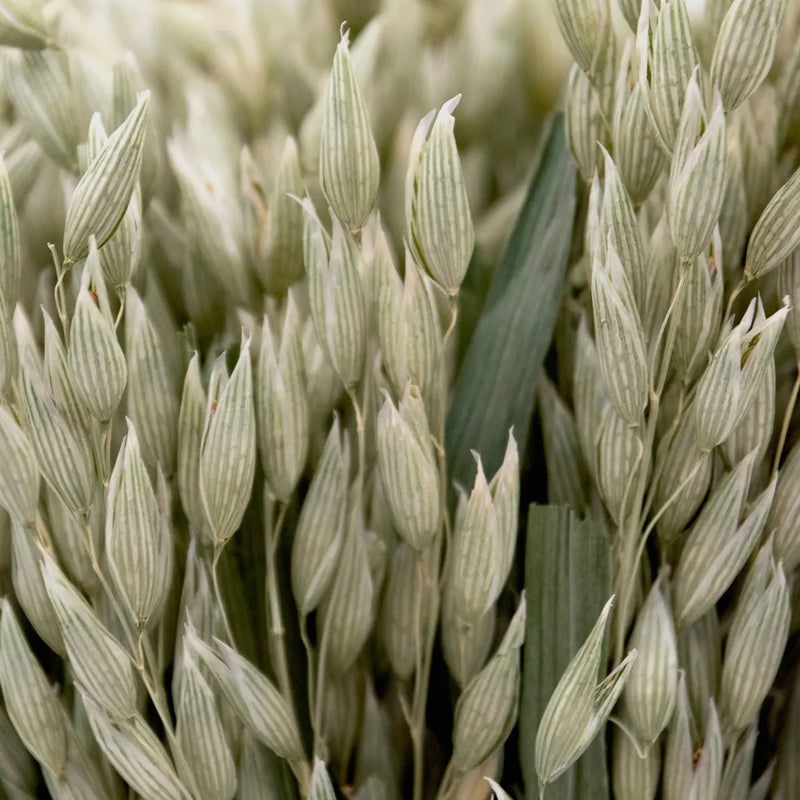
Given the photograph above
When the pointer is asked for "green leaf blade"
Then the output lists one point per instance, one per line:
(496, 386)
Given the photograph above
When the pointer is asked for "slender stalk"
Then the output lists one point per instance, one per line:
(218, 593)
(787, 418)
(309, 664)
(59, 294)
(276, 631)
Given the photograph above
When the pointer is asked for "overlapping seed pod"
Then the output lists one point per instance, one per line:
(102, 668)
(104, 192)
(254, 698)
(649, 694)
(336, 294)
(95, 361)
(579, 706)
(487, 709)
(282, 414)
(408, 469)
(228, 452)
(439, 221)
(133, 535)
(29, 699)
(620, 341)
(151, 402)
(320, 530)
(633, 777)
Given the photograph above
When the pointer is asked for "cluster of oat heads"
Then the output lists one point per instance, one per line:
(685, 375)
(226, 547)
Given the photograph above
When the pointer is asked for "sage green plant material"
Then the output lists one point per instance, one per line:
(675, 365)
(496, 385)
(567, 572)
(280, 286)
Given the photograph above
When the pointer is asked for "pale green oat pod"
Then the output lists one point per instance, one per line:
(487, 709)
(340, 714)
(320, 529)
(620, 226)
(349, 166)
(408, 325)
(777, 232)
(718, 545)
(465, 647)
(707, 775)
(190, 436)
(734, 217)
(406, 609)
(151, 401)
(666, 65)
(745, 48)
(759, 345)
(228, 452)
(588, 393)
(477, 562)
(254, 698)
(19, 478)
(17, 766)
(718, 396)
(95, 360)
(62, 451)
(40, 89)
(583, 122)
(29, 586)
(348, 611)
(699, 315)
(127, 82)
(284, 257)
(617, 461)
(282, 413)
(697, 174)
(586, 28)
(755, 647)
(700, 658)
(678, 752)
(735, 783)
(579, 705)
(408, 468)
(103, 193)
(753, 430)
(202, 738)
(784, 514)
(10, 258)
(437, 207)
(70, 534)
(58, 378)
(133, 534)
(620, 342)
(633, 777)
(102, 669)
(321, 786)
(683, 778)
(336, 294)
(636, 151)
(649, 695)
(31, 703)
(119, 256)
(135, 752)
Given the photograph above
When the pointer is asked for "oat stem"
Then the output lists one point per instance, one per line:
(276, 631)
